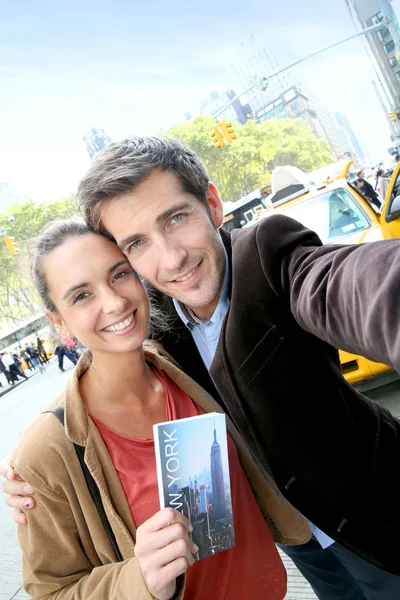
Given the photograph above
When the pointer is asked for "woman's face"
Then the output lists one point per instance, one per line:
(99, 298)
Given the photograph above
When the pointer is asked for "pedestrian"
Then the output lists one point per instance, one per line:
(41, 350)
(62, 350)
(34, 355)
(18, 364)
(255, 317)
(6, 371)
(71, 344)
(118, 391)
(9, 364)
(26, 358)
(368, 190)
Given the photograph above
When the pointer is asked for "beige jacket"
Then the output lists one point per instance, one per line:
(66, 553)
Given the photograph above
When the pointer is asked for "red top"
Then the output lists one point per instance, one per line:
(253, 568)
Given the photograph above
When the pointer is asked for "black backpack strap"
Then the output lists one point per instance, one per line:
(58, 411)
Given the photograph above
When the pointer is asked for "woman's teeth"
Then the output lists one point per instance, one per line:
(122, 325)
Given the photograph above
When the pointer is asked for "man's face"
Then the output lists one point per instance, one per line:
(171, 239)
(361, 174)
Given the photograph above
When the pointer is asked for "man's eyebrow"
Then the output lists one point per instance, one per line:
(78, 286)
(164, 216)
(161, 218)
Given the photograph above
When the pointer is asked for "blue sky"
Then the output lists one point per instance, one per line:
(133, 67)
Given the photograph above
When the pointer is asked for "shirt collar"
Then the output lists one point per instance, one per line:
(220, 310)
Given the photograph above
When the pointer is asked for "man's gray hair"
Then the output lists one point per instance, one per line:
(122, 165)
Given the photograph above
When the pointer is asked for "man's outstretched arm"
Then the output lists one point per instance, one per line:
(18, 492)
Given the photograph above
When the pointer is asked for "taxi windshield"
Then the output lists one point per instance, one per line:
(333, 215)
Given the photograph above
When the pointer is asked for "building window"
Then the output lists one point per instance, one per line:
(383, 33)
(389, 47)
(377, 18)
(398, 75)
(289, 95)
(295, 107)
(393, 61)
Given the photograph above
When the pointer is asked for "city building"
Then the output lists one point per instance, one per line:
(217, 480)
(236, 112)
(255, 59)
(350, 142)
(384, 45)
(203, 504)
(95, 139)
(293, 103)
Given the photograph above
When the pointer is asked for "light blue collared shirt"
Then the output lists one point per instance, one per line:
(206, 338)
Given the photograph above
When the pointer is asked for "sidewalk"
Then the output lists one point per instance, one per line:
(9, 388)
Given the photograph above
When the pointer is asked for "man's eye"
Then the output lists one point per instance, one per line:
(80, 297)
(134, 246)
(177, 218)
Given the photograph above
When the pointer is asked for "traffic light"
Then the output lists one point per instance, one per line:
(222, 134)
(227, 131)
(11, 245)
(394, 115)
(217, 136)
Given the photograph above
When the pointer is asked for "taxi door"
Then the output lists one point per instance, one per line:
(390, 217)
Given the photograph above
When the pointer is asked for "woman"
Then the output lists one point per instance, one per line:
(118, 391)
(42, 351)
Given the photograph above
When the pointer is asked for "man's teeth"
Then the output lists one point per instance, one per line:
(121, 325)
(186, 277)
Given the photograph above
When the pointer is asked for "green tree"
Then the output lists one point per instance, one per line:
(18, 297)
(246, 164)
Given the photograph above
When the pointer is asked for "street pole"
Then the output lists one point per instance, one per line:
(263, 80)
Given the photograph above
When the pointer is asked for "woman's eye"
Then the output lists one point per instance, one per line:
(80, 297)
(121, 274)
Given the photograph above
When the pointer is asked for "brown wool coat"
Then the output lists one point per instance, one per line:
(66, 553)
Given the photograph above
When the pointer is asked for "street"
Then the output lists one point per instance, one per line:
(17, 409)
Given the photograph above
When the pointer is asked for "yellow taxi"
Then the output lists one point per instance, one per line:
(330, 204)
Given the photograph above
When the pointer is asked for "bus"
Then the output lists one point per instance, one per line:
(26, 332)
(237, 214)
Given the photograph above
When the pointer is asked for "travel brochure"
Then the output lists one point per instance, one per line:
(193, 477)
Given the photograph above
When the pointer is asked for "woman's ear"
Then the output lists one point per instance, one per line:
(55, 318)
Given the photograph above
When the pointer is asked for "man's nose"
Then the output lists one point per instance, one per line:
(171, 255)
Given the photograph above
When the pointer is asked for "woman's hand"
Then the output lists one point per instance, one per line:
(164, 551)
(17, 492)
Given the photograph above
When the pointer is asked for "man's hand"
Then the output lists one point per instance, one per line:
(17, 492)
(164, 551)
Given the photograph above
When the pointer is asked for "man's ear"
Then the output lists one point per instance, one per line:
(215, 204)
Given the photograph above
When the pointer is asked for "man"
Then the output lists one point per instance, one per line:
(61, 350)
(18, 364)
(367, 190)
(10, 365)
(253, 315)
(34, 356)
(6, 370)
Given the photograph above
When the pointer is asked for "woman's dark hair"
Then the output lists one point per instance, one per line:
(55, 235)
